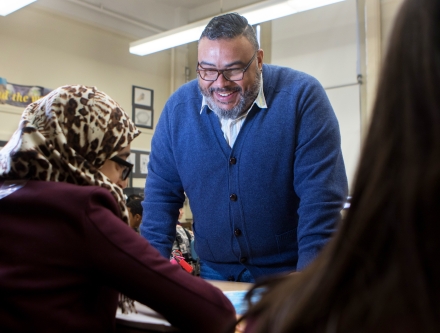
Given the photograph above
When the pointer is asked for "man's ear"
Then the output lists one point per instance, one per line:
(260, 56)
(138, 217)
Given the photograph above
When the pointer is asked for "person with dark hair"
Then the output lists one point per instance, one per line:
(380, 272)
(184, 236)
(135, 213)
(261, 164)
(66, 249)
(134, 196)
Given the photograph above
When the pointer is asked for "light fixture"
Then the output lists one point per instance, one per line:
(7, 7)
(257, 13)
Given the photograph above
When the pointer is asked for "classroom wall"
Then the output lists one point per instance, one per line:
(326, 43)
(40, 48)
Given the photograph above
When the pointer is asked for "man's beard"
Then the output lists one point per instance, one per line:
(245, 101)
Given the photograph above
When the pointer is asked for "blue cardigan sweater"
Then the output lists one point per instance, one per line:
(271, 202)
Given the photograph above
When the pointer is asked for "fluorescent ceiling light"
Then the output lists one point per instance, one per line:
(9, 6)
(257, 13)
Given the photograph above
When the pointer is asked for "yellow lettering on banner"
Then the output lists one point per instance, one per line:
(19, 98)
(35, 98)
(4, 95)
(25, 99)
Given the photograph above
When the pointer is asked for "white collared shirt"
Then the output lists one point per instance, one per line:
(231, 127)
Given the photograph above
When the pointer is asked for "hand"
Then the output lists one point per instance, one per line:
(241, 326)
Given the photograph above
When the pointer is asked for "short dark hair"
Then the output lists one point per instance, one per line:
(135, 206)
(230, 26)
(134, 196)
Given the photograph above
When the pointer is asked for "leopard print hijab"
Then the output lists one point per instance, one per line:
(66, 137)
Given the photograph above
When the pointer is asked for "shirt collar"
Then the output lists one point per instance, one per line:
(260, 100)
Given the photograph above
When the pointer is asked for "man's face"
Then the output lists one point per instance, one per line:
(134, 220)
(131, 220)
(229, 99)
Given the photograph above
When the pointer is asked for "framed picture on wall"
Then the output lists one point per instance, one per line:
(142, 97)
(132, 159)
(142, 117)
(143, 107)
(144, 159)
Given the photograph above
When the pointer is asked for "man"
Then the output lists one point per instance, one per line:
(256, 148)
(135, 209)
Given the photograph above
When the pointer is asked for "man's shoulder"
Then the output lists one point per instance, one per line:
(189, 90)
(288, 80)
(285, 74)
(186, 100)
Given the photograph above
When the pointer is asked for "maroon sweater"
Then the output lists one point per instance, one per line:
(64, 255)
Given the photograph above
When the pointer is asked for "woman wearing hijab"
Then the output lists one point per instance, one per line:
(381, 271)
(66, 252)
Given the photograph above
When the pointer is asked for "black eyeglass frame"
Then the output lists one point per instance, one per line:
(222, 71)
(127, 166)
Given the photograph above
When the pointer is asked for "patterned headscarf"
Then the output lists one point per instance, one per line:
(66, 137)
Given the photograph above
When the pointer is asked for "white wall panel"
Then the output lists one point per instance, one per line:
(345, 102)
(320, 42)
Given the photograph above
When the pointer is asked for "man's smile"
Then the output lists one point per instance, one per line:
(224, 95)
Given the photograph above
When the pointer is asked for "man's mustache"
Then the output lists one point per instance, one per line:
(225, 90)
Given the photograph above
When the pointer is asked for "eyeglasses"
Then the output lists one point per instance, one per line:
(233, 74)
(127, 166)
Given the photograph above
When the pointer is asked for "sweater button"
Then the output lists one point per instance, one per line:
(237, 232)
(233, 197)
(232, 160)
(243, 260)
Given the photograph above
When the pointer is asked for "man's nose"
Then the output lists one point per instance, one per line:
(221, 81)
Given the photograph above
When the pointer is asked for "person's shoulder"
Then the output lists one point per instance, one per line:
(74, 192)
(186, 100)
(180, 229)
(184, 232)
(286, 75)
(65, 187)
(70, 198)
(289, 81)
(187, 91)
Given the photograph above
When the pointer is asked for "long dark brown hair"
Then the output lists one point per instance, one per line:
(382, 268)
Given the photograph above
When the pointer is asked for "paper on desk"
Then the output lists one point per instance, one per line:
(148, 318)
(144, 315)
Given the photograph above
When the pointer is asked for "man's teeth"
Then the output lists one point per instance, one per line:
(224, 95)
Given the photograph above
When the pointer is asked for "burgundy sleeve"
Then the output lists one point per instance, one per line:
(128, 263)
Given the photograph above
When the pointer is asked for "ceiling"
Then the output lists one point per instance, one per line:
(138, 19)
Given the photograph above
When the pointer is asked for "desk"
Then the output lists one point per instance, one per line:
(230, 286)
(149, 321)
